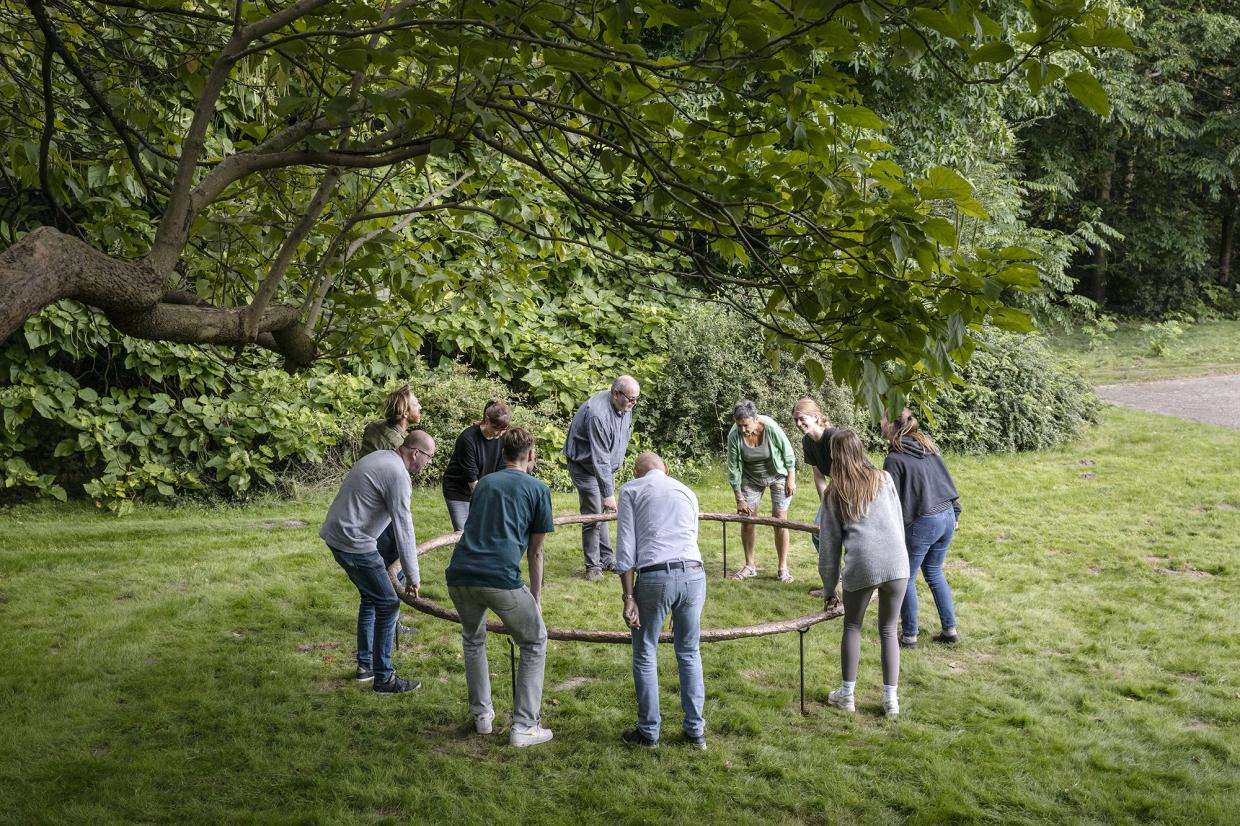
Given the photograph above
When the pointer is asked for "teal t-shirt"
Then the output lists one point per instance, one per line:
(506, 507)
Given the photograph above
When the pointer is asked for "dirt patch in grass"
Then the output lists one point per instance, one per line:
(1226, 506)
(1199, 725)
(287, 523)
(963, 566)
(573, 683)
(317, 646)
(1160, 564)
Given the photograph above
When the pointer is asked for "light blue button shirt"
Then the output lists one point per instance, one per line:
(657, 522)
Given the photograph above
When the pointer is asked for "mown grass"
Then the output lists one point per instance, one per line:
(193, 665)
(1205, 349)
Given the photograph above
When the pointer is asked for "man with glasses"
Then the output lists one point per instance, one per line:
(375, 495)
(595, 446)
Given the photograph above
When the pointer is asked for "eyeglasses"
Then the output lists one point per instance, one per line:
(429, 456)
(632, 399)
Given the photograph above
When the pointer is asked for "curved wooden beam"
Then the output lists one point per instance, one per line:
(765, 629)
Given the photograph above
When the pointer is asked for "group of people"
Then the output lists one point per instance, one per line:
(890, 523)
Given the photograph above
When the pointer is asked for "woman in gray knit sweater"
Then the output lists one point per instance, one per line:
(862, 514)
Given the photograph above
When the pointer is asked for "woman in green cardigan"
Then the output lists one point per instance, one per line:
(760, 457)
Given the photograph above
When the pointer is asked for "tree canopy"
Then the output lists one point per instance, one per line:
(304, 176)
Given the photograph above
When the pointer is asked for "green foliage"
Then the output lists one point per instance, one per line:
(1015, 394)
(1098, 330)
(1162, 337)
(715, 358)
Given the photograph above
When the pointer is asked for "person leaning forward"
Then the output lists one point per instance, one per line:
(595, 446)
(374, 496)
(509, 511)
(660, 573)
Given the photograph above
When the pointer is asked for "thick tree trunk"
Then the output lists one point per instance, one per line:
(1227, 239)
(48, 265)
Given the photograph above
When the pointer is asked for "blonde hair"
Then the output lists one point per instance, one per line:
(808, 405)
(855, 482)
(399, 404)
(906, 425)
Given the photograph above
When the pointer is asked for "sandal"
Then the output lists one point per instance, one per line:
(783, 575)
(745, 572)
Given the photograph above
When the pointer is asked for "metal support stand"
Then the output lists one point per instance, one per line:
(512, 661)
(801, 640)
(724, 525)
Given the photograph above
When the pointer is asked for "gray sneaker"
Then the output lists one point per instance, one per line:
(528, 736)
(593, 574)
(841, 700)
(483, 722)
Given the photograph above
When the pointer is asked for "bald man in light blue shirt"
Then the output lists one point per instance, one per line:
(661, 572)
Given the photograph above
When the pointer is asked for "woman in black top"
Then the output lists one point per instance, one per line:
(477, 452)
(816, 444)
(931, 509)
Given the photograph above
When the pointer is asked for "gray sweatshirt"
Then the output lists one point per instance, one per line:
(875, 542)
(374, 494)
(598, 438)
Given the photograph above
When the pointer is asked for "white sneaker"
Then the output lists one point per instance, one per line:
(841, 700)
(482, 722)
(532, 736)
(891, 707)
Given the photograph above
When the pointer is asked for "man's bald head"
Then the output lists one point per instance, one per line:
(419, 440)
(647, 462)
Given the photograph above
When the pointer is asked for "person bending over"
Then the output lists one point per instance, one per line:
(510, 512)
(597, 440)
(760, 457)
(931, 512)
(862, 519)
(478, 451)
(374, 497)
(661, 573)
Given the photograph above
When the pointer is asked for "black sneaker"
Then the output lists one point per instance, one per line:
(396, 686)
(945, 638)
(364, 675)
(698, 742)
(609, 565)
(633, 737)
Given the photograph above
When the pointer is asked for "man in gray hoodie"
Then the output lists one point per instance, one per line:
(375, 495)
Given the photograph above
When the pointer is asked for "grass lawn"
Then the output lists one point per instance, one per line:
(1206, 349)
(194, 665)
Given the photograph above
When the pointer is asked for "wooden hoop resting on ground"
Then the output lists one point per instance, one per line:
(802, 623)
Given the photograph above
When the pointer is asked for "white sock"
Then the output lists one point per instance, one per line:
(889, 694)
(848, 687)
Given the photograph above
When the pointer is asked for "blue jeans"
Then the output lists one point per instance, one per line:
(681, 593)
(927, 539)
(376, 616)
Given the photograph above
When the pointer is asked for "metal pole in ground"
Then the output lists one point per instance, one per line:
(801, 640)
(724, 525)
(512, 662)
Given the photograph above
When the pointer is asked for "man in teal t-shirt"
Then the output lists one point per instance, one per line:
(510, 512)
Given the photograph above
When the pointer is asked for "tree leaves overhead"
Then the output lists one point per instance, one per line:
(723, 148)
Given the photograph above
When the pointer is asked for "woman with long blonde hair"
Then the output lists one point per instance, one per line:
(931, 511)
(861, 517)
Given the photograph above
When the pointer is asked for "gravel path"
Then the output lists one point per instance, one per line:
(1210, 399)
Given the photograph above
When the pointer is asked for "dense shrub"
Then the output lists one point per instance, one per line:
(715, 358)
(87, 411)
(1016, 394)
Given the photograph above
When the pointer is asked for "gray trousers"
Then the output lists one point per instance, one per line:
(890, 598)
(521, 615)
(458, 512)
(595, 539)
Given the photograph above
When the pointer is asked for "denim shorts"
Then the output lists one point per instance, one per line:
(752, 490)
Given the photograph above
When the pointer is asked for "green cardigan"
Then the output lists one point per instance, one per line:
(779, 449)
